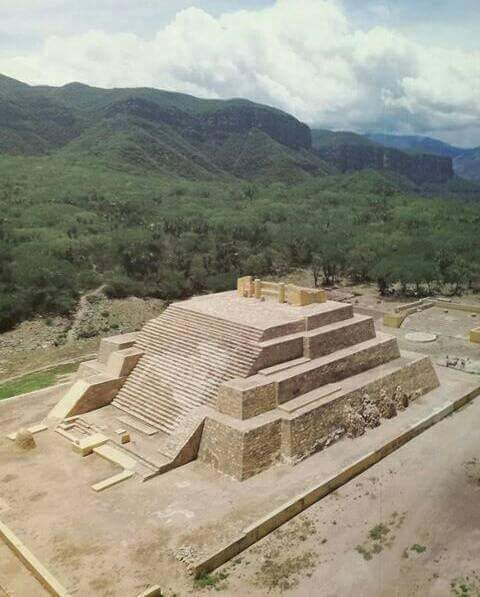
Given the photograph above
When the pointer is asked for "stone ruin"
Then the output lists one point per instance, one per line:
(243, 380)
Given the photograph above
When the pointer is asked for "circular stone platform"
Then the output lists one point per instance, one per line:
(420, 337)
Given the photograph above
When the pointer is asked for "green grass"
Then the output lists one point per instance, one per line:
(35, 381)
(211, 581)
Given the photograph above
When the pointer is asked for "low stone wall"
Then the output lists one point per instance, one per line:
(248, 287)
(114, 343)
(475, 335)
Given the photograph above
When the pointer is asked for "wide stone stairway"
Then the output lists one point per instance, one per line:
(187, 355)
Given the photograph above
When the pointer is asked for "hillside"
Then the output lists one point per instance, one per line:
(175, 134)
(163, 195)
(349, 152)
(466, 162)
(181, 136)
(416, 144)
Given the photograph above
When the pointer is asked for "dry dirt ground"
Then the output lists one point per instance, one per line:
(409, 526)
(387, 532)
(45, 342)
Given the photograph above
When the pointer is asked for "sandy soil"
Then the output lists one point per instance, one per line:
(410, 525)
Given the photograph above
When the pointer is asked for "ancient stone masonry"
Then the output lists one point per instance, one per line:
(246, 379)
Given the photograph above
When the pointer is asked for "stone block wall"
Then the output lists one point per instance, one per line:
(328, 317)
(246, 398)
(278, 351)
(239, 451)
(337, 368)
(307, 431)
(221, 447)
(320, 343)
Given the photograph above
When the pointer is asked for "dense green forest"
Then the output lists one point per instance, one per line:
(153, 193)
(66, 228)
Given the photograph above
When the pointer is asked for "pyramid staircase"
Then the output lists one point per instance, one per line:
(187, 355)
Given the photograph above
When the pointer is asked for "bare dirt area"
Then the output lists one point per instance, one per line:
(135, 534)
(44, 342)
(410, 525)
(451, 327)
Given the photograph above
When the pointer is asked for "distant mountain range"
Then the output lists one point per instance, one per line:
(182, 136)
(466, 162)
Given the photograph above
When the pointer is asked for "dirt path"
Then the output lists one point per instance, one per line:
(82, 308)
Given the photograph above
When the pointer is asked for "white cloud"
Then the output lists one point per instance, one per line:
(301, 55)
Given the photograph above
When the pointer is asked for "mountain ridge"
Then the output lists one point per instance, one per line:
(178, 134)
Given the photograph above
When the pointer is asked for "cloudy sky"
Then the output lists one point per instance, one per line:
(407, 66)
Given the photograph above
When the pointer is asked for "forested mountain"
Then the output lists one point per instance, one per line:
(466, 162)
(163, 194)
(349, 152)
(172, 133)
(180, 135)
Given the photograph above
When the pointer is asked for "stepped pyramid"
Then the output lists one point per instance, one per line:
(245, 379)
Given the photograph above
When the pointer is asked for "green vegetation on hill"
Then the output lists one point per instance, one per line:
(466, 162)
(162, 194)
(70, 224)
(322, 138)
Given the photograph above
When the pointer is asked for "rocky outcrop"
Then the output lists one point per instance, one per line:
(281, 127)
(216, 126)
(421, 168)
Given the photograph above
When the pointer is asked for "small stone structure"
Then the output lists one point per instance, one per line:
(248, 287)
(243, 380)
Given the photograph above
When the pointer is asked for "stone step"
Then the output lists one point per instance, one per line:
(171, 379)
(212, 319)
(132, 412)
(164, 414)
(179, 402)
(204, 324)
(167, 339)
(163, 408)
(338, 335)
(167, 382)
(188, 359)
(138, 425)
(334, 367)
(159, 333)
(367, 381)
(176, 365)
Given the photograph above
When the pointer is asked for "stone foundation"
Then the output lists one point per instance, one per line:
(242, 448)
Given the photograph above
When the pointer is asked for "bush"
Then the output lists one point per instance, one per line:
(121, 286)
